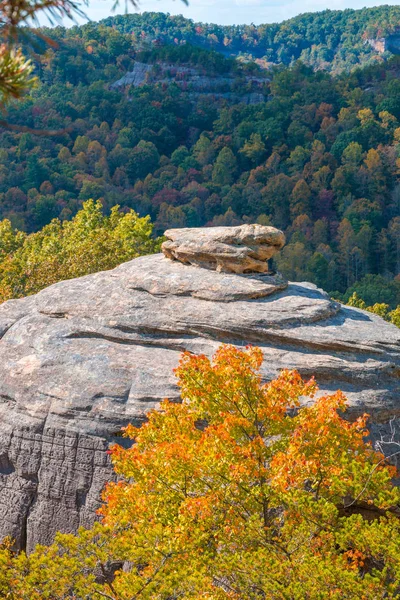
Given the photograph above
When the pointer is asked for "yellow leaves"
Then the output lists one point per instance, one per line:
(285, 392)
(228, 496)
(365, 116)
(230, 390)
(356, 301)
(319, 447)
(388, 120)
(198, 508)
(62, 250)
(379, 308)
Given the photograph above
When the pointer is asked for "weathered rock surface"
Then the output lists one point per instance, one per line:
(136, 78)
(193, 82)
(242, 249)
(85, 357)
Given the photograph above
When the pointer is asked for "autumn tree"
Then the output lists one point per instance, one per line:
(90, 242)
(309, 151)
(300, 199)
(254, 149)
(242, 491)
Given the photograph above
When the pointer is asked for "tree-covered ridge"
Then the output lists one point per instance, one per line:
(332, 40)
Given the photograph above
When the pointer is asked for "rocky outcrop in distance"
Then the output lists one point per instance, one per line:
(137, 77)
(192, 81)
(84, 357)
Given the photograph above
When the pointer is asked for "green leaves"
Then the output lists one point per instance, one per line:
(15, 70)
(89, 243)
(15, 74)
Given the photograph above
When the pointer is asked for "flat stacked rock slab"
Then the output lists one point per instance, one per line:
(242, 249)
(85, 357)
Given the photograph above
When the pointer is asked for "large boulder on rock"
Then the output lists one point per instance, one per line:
(85, 357)
(242, 249)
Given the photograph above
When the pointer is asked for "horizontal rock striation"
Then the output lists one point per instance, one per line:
(85, 357)
(242, 249)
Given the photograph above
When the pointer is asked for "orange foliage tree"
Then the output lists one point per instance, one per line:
(240, 492)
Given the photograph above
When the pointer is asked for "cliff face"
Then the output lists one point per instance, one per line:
(193, 81)
(85, 357)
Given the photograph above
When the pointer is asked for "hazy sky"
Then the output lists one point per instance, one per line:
(235, 11)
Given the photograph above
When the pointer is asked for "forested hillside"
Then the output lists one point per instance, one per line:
(205, 139)
(333, 40)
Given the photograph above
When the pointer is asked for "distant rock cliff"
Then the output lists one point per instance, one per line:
(136, 77)
(84, 357)
(192, 81)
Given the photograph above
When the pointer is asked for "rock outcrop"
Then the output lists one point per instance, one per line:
(194, 81)
(84, 357)
(242, 249)
(134, 78)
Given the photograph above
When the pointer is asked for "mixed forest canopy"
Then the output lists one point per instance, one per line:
(333, 40)
(205, 139)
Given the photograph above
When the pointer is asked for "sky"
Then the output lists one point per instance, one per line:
(230, 12)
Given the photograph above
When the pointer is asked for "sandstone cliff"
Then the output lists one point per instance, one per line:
(85, 357)
(193, 81)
